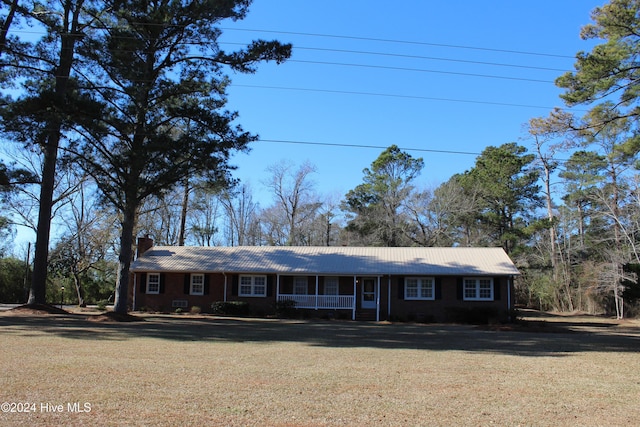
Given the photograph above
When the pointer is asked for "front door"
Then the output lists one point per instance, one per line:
(368, 292)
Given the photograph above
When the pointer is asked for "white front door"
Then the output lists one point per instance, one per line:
(368, 292)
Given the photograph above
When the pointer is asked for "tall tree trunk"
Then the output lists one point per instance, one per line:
(77, 283)
(183, 214)
(4, 31)
(37, 293)
(126, 255)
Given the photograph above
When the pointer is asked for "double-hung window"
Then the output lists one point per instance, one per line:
(153, 283)
(478, 289)
(331, 286)
(419, 288)
(197, 284)
(253, 286)
(300, 286)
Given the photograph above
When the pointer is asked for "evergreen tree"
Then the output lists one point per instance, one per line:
(377, 205)
(507, 192)
(157, 72)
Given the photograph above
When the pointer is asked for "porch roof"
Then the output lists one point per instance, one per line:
(331, 260)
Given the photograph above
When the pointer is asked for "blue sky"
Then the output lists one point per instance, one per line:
(428, 76)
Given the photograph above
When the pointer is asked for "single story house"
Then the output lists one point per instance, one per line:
(359, 283)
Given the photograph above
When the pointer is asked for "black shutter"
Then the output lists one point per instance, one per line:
(187, 284)
(162, 279)
(400, 287)
(143, 283)
(496, 289)
(438, 288)
(460, 288)
(269, 286)
(234, 285)
(206, 284)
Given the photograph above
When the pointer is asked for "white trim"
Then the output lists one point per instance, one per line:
(224, 298)
(420, 282)
(252, 285)
(148, 283)
(378, 299)
(477, 289)
(355, 286)
(191, 284)
(369, 304)
(388, 297)
(135, 288)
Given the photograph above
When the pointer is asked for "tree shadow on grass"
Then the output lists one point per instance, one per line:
(561, 339)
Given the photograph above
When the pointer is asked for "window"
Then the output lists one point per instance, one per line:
(197, 284)
(300, 286)
(477, 289)
(419, 288)
(331, 286)
(153, 283)
(253, 286)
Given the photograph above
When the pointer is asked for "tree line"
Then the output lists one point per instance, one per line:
(120, 150)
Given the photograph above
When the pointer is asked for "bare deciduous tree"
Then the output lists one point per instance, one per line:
(293, 194)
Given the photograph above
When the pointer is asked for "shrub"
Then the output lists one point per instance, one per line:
(102, 305)
(178, 310)
(230, 308)
(474, 316)
(286, 308)
(195, 309)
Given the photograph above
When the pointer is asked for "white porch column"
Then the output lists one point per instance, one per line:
(378, 300)
(277, 287)
(316, 291)
(389, 298)
(135, 286)
(224, 297)
(353, 314)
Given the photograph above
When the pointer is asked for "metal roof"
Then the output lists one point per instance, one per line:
(326, 260)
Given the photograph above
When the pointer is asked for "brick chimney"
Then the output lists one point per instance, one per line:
(144, 244)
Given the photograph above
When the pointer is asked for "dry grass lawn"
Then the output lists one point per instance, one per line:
(199, 370)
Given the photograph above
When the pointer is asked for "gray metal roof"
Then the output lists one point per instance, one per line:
(331, 260)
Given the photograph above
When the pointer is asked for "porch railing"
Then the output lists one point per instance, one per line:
(320, 302)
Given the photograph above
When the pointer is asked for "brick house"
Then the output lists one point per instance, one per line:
(360, 283)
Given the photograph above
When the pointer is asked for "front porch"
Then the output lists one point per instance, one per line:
(320, 302)
(330, 292)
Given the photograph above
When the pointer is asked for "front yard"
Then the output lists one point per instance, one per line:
(203, 370)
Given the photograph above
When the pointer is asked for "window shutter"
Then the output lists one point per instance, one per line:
(496, 289)
(187, 284)
(438, 288)
(234, 285)
(143, 283)
(162, 277)
(206, 284)
(460, 288)
(400, 287)
(269, 286)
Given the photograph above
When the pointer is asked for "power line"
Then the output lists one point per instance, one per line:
(390, 95)
(421, 70)
(430, 58)
(337, 36)
(452, 46)
(336, 144)
(379, 147)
